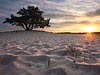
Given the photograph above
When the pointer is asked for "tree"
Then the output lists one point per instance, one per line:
(29, 18)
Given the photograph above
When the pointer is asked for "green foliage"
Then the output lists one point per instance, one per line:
(29, 18)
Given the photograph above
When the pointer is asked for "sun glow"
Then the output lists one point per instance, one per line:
(89, 29)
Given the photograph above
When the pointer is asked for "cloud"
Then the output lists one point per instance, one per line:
(61, 12)
(7, 27)
(73, 22)
(50, 7)
(57, 0)
(97, 22)
(78, 22)
(93, 13)
(84, 22)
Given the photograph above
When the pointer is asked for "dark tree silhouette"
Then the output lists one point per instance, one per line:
(29, 18)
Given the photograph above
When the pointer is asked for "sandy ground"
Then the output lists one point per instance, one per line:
(43, 53)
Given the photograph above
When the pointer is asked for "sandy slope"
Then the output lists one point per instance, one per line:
(41, 53)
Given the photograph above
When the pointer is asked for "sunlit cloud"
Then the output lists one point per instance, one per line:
(94, 13)
(66, 15)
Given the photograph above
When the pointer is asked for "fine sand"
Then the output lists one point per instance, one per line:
(44, 53)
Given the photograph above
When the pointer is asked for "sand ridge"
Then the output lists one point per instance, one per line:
(42, 53)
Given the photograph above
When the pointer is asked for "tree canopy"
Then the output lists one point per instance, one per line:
(29, 18)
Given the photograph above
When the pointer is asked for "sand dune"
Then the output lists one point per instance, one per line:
(43, 53)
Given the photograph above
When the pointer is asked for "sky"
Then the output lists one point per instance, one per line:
(66, 15)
